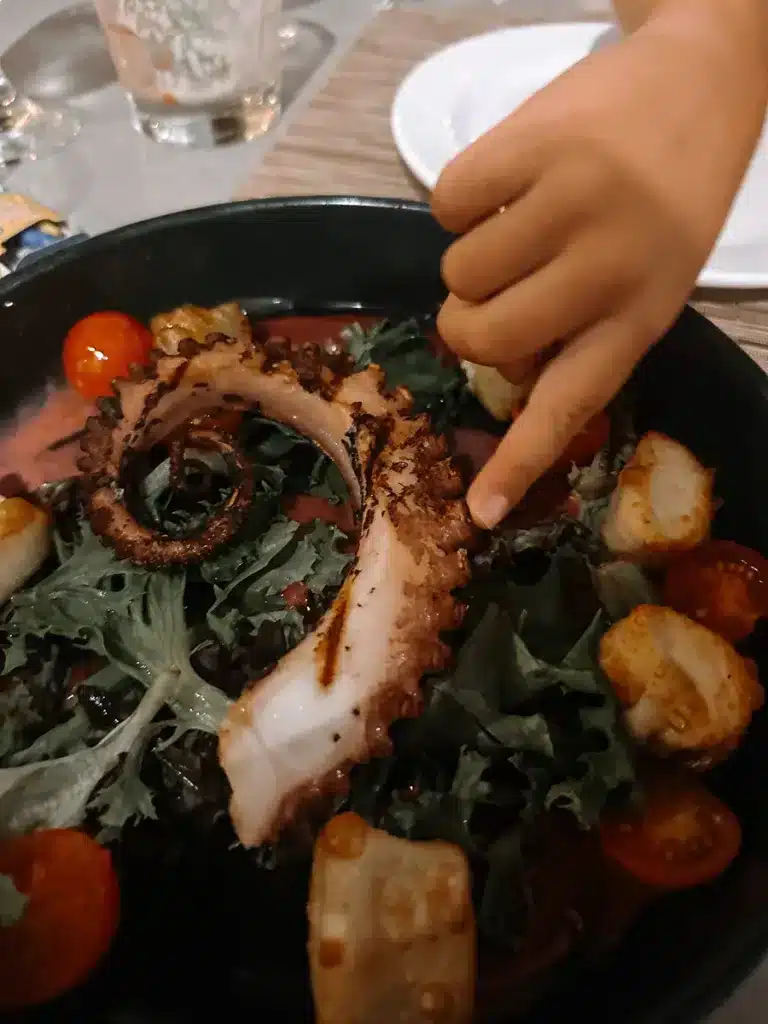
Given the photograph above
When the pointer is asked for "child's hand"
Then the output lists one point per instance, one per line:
(586, 217)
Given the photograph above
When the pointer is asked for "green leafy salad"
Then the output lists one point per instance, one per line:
(116, 678)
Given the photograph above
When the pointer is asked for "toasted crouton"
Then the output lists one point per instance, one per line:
(25, 541)
(391, 928)
(662, 502)
(684, 688)
(197, 323)
(499, 396)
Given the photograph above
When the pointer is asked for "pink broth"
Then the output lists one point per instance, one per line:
(26, 439)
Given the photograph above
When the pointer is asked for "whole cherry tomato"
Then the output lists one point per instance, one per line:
(69, 920)
(102, 347)
(682, 837)
(722, 585)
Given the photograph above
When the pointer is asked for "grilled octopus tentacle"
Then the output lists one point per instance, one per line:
(142, 545)
(329, 703)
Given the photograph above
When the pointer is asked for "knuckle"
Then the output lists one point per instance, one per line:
(449, 327)
(453, 269)
(589, 174)
(451, 196)
(465, 277)
(619, 279)
(440, 204)
(479, 337)
(464, 331)
(627, 277)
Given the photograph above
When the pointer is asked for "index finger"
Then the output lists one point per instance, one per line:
(575, 385)
(491, 173)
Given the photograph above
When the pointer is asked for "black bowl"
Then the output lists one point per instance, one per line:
(200, 932)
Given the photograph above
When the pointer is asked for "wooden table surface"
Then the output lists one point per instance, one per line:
(341, 142)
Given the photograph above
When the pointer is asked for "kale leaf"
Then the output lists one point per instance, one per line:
(140, 627)
(522, 724)
(407, 357)
(250, 578)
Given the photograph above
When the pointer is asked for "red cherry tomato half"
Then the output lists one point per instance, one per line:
(311, 328)
(102, 347)
(682, 837)
(69, 920)
(722, 585)
(587, 443)
(473, 448)
(296, 595)
(82, 670)
(305, 508)
(544, 501)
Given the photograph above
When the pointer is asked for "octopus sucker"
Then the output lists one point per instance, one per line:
(293, 736)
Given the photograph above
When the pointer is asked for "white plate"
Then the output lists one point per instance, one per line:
(445, 103)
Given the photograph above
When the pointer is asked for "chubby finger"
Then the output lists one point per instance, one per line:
(575, 385)
(494, 171)
(555, 302)
(522, 372)
(508, 246)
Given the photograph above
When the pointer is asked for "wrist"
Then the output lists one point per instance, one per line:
(714, 56)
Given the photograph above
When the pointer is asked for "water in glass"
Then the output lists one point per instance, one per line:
(197, 72)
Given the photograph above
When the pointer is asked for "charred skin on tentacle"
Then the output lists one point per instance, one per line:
(329, 703)
(111, 518)
(150, 407)
(195, 323)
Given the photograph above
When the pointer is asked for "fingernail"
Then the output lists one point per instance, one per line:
(489, 510)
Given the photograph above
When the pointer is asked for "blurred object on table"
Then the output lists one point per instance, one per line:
(27, 229)
(61, 57)
(304, 46)
(197, 72)
(29, 131)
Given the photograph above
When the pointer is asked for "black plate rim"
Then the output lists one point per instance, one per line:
(48, 260)
(202, 215)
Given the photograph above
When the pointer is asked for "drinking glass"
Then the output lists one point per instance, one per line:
(28, 130)
(197, 72)
(304, 45)
(291, 31)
